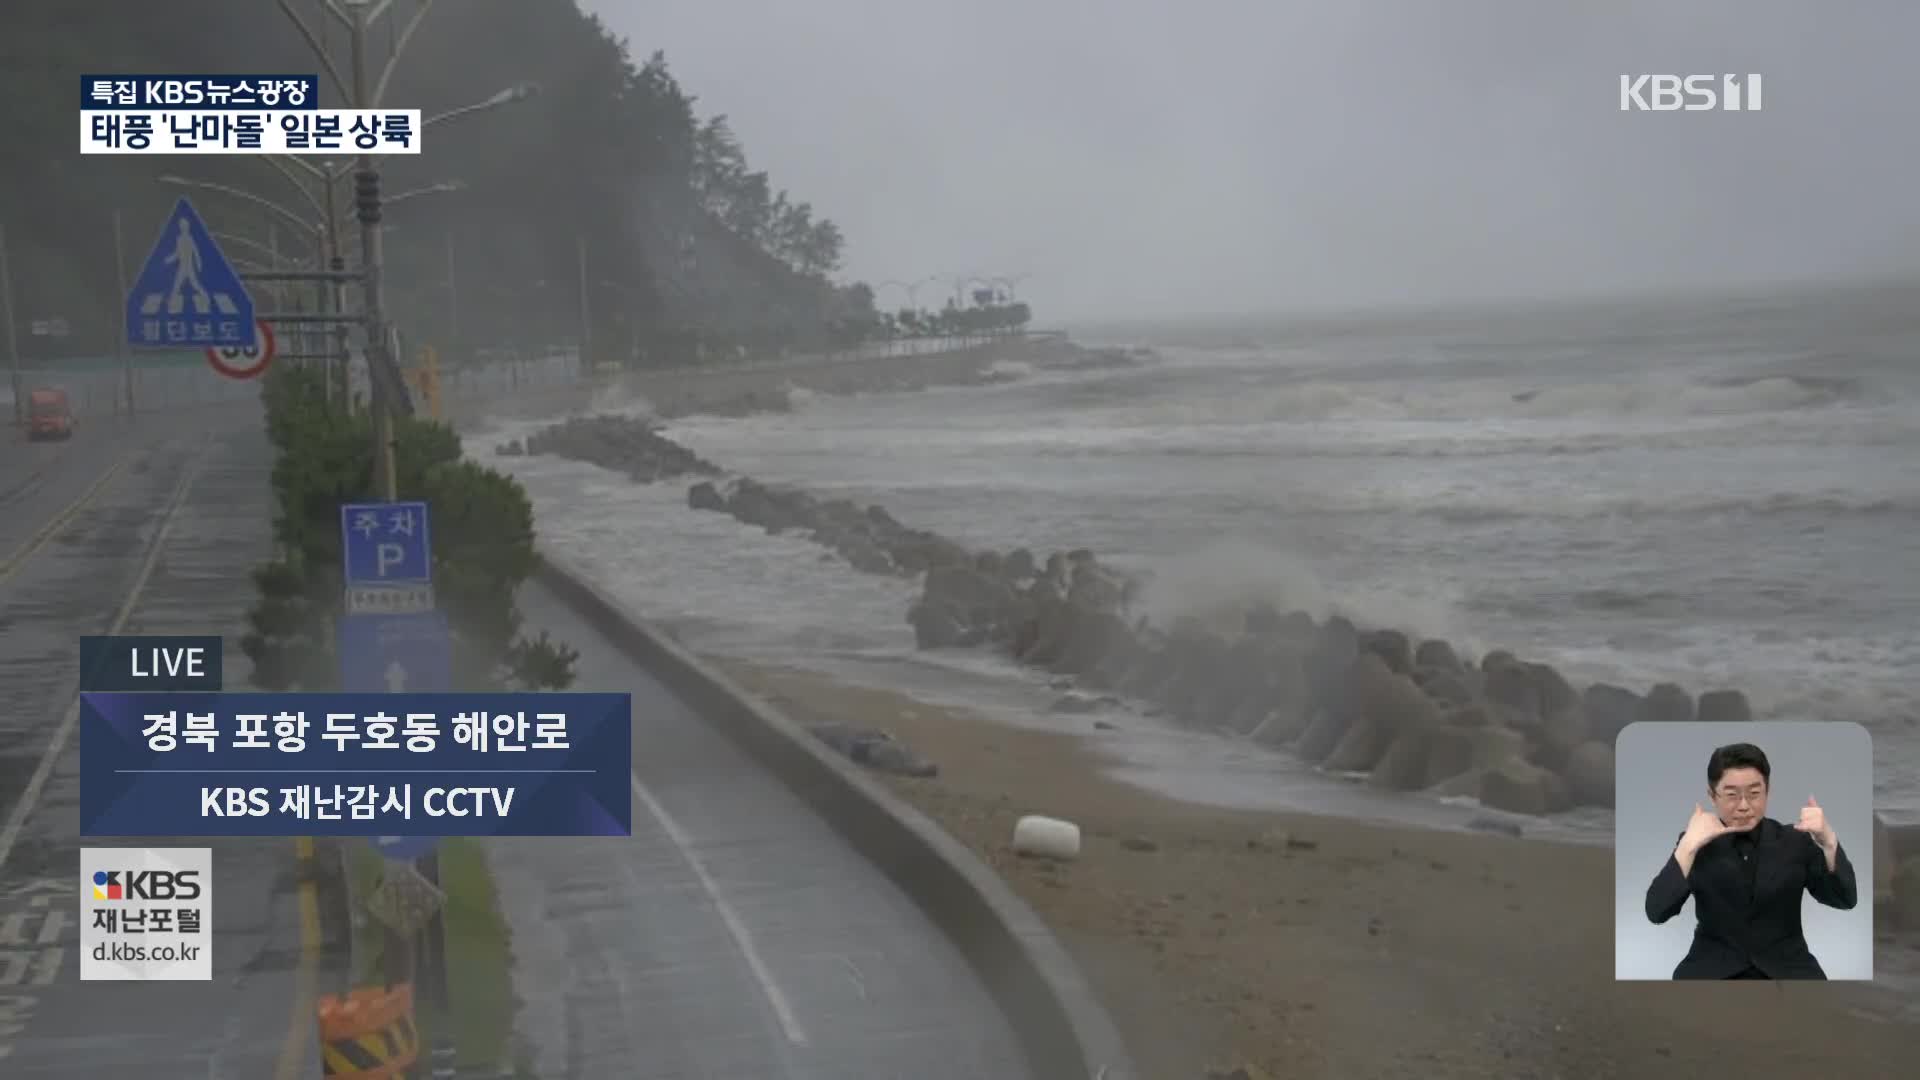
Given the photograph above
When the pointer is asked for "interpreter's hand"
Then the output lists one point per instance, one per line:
(1813, 822)
(1702, 828)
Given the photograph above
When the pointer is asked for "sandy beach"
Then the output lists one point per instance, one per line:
(1316, 947)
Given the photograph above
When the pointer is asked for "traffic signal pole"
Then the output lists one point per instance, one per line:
(380, 367)
(380, 362)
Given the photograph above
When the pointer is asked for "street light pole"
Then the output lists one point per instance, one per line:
(330, 295)
(333, 295)
(453, 302)
(279, 290)
(13, 333)
(367, 203)
(120, 272)
(261, 201)
(586, 312)
(383, 370)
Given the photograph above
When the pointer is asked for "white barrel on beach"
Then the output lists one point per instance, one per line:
(1049, 838)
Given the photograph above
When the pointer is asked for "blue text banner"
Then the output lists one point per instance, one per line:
(185, 764)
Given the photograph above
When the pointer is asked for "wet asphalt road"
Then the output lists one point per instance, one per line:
(732, 936)
(75, 580)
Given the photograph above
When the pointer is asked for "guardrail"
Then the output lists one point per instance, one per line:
(1063, 1030)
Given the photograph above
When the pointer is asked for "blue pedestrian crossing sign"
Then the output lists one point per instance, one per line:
(188, 296)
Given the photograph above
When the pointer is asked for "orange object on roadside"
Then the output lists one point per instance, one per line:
(369, 1033)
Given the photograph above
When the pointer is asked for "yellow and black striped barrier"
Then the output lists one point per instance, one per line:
(368, 1034)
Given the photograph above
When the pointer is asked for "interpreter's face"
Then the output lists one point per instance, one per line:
(1740, 798)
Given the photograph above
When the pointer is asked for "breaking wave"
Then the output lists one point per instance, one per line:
(1216, 584)
(1258, 398)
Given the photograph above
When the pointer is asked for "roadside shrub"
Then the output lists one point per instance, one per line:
(482, 534)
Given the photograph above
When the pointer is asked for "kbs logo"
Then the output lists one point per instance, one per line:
(1692, 93)
(146, 885)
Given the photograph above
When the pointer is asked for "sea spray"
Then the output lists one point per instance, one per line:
(1220, 581)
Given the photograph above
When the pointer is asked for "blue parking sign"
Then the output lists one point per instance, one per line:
(386, 543)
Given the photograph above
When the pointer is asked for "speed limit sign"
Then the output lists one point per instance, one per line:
(238, 363)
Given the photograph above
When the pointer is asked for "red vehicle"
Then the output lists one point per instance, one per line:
(49, 415)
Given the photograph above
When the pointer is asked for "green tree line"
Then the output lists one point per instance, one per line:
(685, 244)
(989, 318)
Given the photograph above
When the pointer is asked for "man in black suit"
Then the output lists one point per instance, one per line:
(1745, 873)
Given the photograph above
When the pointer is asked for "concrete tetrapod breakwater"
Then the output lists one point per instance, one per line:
(1413, 715)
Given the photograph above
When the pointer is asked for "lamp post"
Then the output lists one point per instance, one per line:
(120, 345)
(516, 92)
(1010, 282)
(271, 250)
(586, 312)
(389, 392)
(366, 91)
(428, 189)
(453, 302)
(304, 224)
(389, 389)
(912, 289)
(13, 336)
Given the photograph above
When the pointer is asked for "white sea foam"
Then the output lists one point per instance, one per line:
(1664, 513)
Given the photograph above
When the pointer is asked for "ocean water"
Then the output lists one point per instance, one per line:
(1720, 492)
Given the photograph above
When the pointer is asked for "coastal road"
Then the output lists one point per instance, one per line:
(145, 529)
(734, 934)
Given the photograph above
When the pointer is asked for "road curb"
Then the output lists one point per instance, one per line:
(1061, 1026)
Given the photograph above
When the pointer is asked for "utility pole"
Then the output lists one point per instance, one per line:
(366, 187)
(339, 375)
(120, 272)
(389, 394)
(13, 334)
(586, 312)
(286, 296)
(273, 264)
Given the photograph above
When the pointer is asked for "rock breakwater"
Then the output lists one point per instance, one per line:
(622, 444)
(1409, 714)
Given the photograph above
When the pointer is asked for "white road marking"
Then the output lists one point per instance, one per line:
(30, 796)
(742, 938)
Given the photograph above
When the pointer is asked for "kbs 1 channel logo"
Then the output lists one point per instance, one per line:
(146, 914)
(1690, 93)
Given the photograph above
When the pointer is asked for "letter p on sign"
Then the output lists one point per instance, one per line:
(389, 555)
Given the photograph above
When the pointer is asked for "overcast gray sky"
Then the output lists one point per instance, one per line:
(1140, 157)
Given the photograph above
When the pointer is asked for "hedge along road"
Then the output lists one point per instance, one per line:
(153, 530)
